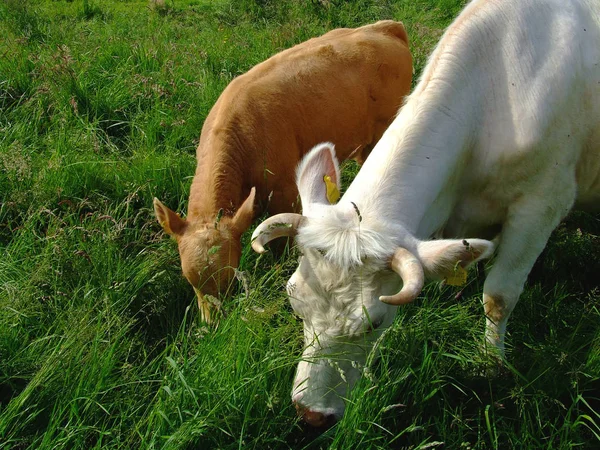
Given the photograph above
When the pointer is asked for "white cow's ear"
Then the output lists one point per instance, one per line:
(441, 258)
(311, 172)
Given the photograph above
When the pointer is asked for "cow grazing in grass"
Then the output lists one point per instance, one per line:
(345, 87)
(501, 135)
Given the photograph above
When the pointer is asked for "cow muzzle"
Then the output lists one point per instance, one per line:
(316, 419)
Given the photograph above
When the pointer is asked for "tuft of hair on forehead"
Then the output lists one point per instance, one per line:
(343, 240)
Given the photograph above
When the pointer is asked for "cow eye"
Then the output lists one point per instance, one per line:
(372, 326)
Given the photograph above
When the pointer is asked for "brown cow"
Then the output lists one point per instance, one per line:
(343, 87)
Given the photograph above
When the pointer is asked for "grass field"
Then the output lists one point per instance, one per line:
(101, 346)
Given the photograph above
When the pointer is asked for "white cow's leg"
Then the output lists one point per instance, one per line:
(523, 238)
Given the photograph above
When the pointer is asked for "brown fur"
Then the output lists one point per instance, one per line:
(496, 308)
(344, 87)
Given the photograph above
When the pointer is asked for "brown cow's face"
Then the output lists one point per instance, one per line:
(209, 256)
(210, 250)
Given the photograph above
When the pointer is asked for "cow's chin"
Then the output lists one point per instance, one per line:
(319, 389)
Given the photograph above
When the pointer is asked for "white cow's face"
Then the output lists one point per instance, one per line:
(342, 317)
(353, 269)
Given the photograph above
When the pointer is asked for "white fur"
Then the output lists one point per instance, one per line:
(320, 161)
(338, 235)
(501, 133)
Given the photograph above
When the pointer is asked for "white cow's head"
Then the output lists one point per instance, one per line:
(353, 273)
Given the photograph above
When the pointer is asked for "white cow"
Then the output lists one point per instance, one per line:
(501, 135)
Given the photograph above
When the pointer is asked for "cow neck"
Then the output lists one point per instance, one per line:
(218, 182)
(412, 176)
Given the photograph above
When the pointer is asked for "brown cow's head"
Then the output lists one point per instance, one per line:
(209, 251)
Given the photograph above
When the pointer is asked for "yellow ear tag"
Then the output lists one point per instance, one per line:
(333, 193)
(459, 278)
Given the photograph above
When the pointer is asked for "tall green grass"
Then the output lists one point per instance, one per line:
(101, 346)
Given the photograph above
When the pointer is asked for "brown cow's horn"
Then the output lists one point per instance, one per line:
(274, 227)
(405, 264)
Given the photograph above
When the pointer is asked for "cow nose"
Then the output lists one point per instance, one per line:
(315, 418)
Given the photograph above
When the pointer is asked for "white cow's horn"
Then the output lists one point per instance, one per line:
(274, 227)
(405, 264)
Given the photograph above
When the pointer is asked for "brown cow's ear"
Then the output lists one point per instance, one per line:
(169, 220)
(244, 215)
